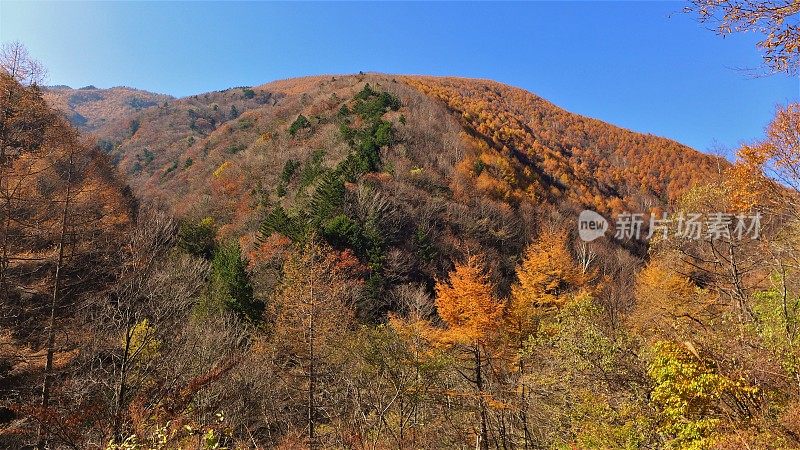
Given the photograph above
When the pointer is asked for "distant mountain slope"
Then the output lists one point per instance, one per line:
(457, 163)
(597, 163)
(100, 110)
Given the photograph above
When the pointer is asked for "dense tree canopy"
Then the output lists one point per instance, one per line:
(373, 262)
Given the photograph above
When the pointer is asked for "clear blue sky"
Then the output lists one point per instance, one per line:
(641, 65)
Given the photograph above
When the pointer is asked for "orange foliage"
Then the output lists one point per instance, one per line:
(546, 273)
(551, 153)
(274, 247)
(775, 159)
(545, 276)
(466, 303)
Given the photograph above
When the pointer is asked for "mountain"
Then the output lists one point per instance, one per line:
(461, 164)
(362, 260)
(510, 144)
(101, 110)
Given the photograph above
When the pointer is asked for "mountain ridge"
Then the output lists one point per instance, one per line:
(319, 77)
(222, 154)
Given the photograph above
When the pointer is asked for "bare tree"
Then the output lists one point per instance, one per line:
(56, 298)
(17, 62)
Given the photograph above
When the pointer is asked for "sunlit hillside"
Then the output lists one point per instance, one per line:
(385, 261)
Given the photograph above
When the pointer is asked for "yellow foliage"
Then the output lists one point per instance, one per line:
(143, 345)
(221, 169)
(667, 302)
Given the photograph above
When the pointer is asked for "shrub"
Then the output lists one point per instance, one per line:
(147, 156)
(235, 148)
(172, 167)
(289, 169)
(221, 169)
(134, 126)
(105, 146)
(245, 124)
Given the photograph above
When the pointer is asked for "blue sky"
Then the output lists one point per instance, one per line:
(641, 65)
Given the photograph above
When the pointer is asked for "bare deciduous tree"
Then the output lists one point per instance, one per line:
(15, 59)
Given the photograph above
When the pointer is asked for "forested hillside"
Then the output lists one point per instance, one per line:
(378, 261)
(103, 111)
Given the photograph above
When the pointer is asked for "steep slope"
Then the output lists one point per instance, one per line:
(519, 145)
(595, 162)
(526, 145)
(456, 166)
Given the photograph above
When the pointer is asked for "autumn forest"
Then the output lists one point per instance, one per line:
(375, 261)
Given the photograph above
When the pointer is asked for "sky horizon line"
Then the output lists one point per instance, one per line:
(643, 66)
(646, 132)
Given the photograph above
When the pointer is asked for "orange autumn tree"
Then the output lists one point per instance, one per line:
(774, 159)
(669, 304)
(548, 272)
(545, 276)
(467, 305)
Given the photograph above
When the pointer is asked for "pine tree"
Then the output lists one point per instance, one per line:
(230, 284)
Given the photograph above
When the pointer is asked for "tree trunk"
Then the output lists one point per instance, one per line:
(51, 329)
(484, 438)
(6, 215)
(311, 368)
(523, 406)
(6, 218)
(122, 387)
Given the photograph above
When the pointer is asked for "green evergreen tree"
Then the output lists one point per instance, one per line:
(328, 198)
(230, 284)
(279, 221)
(298, 124)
